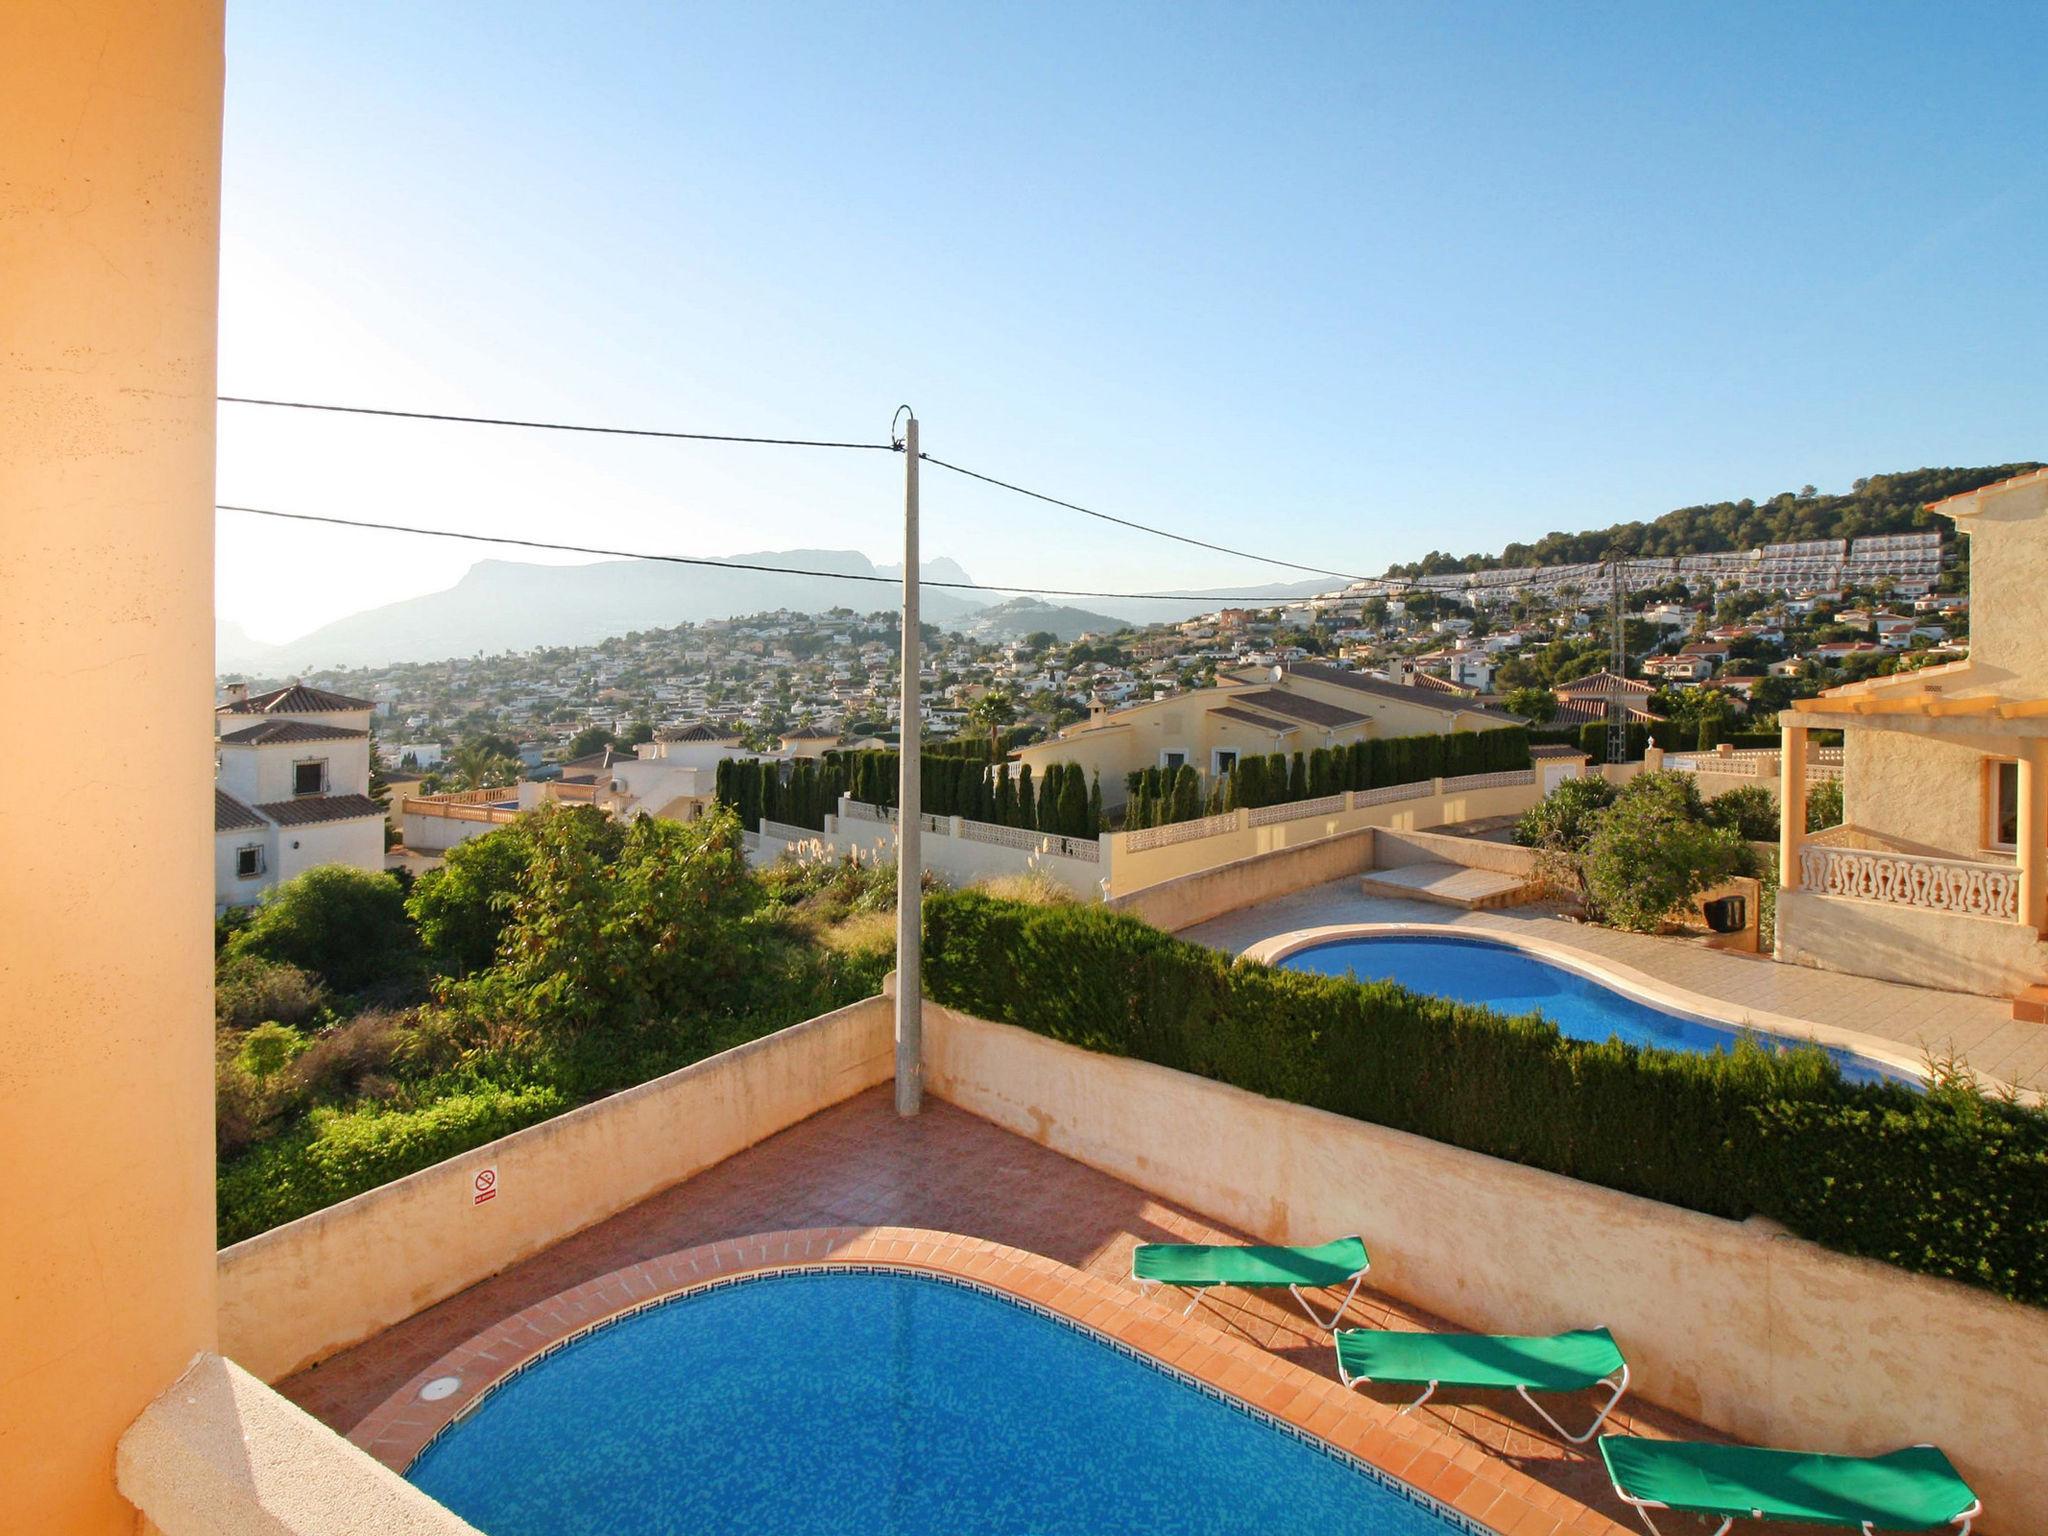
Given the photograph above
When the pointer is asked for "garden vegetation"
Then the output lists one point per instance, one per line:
(1946, 1182)
(365, 1032)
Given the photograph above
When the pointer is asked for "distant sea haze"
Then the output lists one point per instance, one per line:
(508, 605)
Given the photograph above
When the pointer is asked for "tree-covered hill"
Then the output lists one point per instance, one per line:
(1893, 503)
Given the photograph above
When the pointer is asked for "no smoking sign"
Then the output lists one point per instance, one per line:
(484, 1186)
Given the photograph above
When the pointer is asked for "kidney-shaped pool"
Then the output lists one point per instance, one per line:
(883, 1403)
(1511, 980)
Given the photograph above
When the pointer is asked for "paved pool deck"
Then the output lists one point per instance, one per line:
(859, 1165)
(1980, 1031)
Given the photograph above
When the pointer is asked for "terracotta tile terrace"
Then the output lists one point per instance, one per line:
(858, 1167)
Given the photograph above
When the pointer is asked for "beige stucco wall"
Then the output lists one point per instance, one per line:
(1130, 871)
(1757, 1333)
(2008, 574)
(110, 118)
(297, 1294)
(956, 860)
(1909, 944)
(220, 1454)
(1925, 791)
(1139, 734)
(1195, 898)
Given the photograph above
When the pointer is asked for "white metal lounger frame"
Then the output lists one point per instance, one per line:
(1620, 1386)
(1643, 1507)
(1195, 1294)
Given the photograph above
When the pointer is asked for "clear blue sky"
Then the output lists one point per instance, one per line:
(1348, 282)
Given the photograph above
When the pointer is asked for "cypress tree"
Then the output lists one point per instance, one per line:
(1094, 828)
(1006, 797)
(1276, 778)
(1132, 781)
(1073, 802)
(1297, 778)
(1214, 805)
(1187, 793)
(1027, 804)
(1230, 791)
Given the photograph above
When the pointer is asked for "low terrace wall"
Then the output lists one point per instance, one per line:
(1134, 866)
(1737, 1324)
(305, 1290)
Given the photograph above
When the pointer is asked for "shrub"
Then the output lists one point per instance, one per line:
(1940, 1183)
(342, 1152)
(1654, 850)
(1751, 812)
(346, 925)
(248, 991)
(602, 942)
(1824, 805)
(461, 909)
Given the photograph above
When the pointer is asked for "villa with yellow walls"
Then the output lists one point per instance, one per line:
(1939, 873)
(1297, 708)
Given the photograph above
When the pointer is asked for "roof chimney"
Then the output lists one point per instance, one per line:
(238, 693)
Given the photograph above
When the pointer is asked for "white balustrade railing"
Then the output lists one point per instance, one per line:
(1912, 880)
(1388, 794)
(1086, 849)
(784, 832)
(1507, 779)
(1179, 832)
(1266, 815)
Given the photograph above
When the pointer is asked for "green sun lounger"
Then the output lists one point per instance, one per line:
(1197, 1266)
(1910, 1490)
(1558, 1362)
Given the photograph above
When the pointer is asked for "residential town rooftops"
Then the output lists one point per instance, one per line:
(1297, 707)
(270, 732)
(314, 809)
(699, 730)
(1363, 682)
(230, 815)
(294, 699)
(1248, 717)
(1599, 685)
(811, 733)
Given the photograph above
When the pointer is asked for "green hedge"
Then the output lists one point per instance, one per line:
(342, 1152)
(1154, 798)
(950, 783)
(1945, 1183)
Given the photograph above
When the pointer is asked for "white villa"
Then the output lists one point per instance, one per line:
(1939, 875)
(291, 789)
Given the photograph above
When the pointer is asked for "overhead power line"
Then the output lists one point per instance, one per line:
(794, 442)
(739, 565)
(555, 426)
(1125, 522)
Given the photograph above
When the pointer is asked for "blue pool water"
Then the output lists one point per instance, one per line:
(881, 1405)
(1510, 980)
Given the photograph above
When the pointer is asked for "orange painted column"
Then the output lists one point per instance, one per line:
(2032, 841)
(110, 122)
(1791, 806)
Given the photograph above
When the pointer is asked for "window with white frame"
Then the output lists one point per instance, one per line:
(1221, 761)
(309, 776)
(249, 862)
(1173, 759)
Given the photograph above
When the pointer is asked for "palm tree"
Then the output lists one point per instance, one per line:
(992, 712)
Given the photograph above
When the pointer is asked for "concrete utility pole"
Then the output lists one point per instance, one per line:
(909, 822)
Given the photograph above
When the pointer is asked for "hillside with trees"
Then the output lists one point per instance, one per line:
(1895, 503)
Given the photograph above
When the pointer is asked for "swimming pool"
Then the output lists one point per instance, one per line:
(1511, 980)
(885, 1404)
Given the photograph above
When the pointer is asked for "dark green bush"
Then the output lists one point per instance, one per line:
(1878, 1170)
(337, 1153)
(348, 926)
